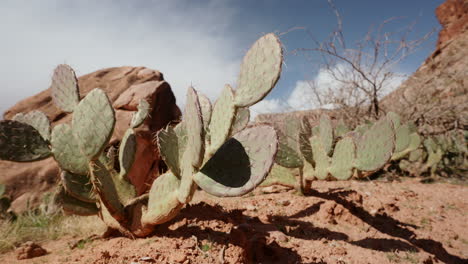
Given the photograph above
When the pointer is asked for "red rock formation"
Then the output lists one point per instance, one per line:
(125, 86)
(453, 16)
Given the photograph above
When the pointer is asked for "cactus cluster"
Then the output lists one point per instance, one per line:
(418, 155)
(324, 152)
(212, 147)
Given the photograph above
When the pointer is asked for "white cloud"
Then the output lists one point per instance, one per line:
(189, 45)
(303, 97)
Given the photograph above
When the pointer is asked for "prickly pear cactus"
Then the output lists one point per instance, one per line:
(212, 147)
(329, 153)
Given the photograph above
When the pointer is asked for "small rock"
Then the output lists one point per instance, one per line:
(285, 202)
(148, 259)
(30, 250)
(250, 207)
(340, 251)
(279, 236)
(179, 257)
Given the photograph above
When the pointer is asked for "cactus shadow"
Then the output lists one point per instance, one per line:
(247, 232)
(390, 226)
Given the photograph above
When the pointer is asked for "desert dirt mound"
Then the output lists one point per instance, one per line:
(340, 222)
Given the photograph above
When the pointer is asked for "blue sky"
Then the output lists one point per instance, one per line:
(191, 42)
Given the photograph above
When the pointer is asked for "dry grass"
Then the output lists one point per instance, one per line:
(41, 226)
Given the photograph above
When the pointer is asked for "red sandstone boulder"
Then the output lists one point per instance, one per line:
(125, 86)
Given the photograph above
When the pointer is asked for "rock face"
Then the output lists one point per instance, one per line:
(125, 86)
(453, 15)
(435, 96)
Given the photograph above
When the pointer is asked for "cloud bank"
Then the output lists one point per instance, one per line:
(189, 44)
(302, 96)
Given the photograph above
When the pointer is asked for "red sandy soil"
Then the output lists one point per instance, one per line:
(340, 222)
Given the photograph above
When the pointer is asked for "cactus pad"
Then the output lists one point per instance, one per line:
(222, 118)
(206, 109)
(342, 161)
(163, 204)
(66, 151)
(288, 154)
(186, 188)
(36, 119)
(240, 164)
(322, 160)
(71, 205)
(260, 70)
(326, 133)
(280, 176)
(341, 129)
(168, 142)
(375, 147)
(93, 123)
(193, 121)
(127, 152)
(304, 141)
(105, 188)
(21, 142)
(241, 120)
(402, 138)
(140, 116)
(78, 186)
(65, 92)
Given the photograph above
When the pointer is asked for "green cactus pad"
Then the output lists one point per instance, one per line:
(36, 119)
(206, 110)
(66, 151)
(127, 152)
(341, 129)
(168, 142)
(140, 116)
(78, 186)
(326, 133)
(186, 188)
(65, 91)
(395, 118)
(280, 176)
(375, 147)
(304, 141)
(163, 204)
(240, 164)
(71, 205)
(414, 143)
(222, 119)
(2, 189)
(361, 129)
(322, 160)
(105, 188)
(193, 121)
(288, 154)
(308, 173)
(342, 161)
(21, 142)
(93, 123)
(241, 120)
(260, 70)
(402, 138)
(416, 155)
